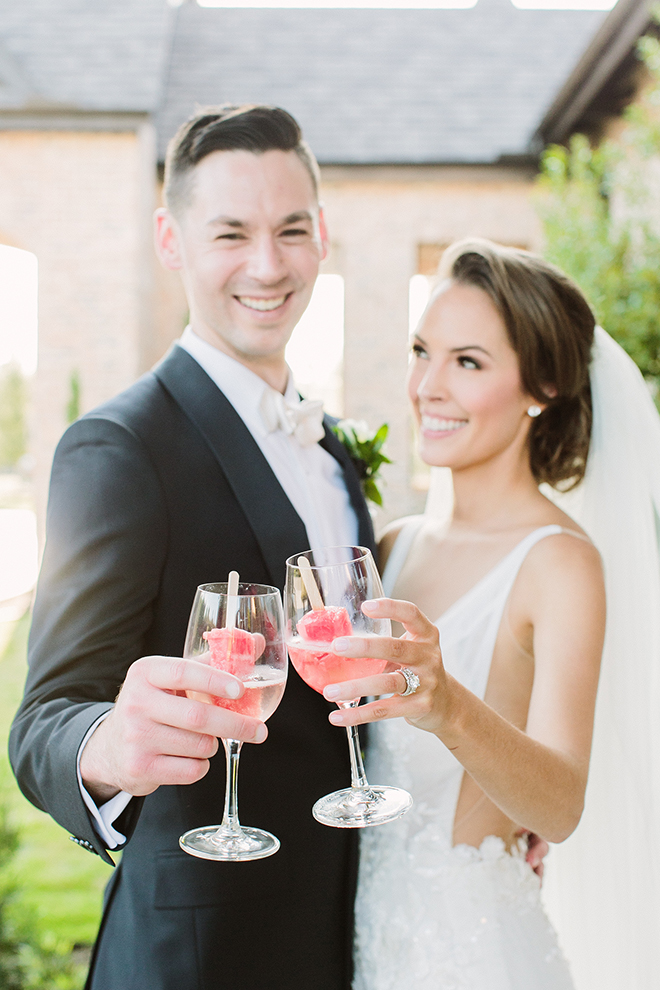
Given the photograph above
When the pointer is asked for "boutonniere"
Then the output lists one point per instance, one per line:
(365, 448)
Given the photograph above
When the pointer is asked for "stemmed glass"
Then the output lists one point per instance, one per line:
(324, 593)
(237, 628)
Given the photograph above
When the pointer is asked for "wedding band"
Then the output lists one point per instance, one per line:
(412, 681)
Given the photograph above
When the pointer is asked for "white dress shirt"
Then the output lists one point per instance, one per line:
(312, 480)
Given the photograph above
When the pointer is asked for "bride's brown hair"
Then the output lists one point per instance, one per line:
(551, 328)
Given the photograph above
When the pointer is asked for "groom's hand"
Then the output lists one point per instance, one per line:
(537, 850)
(156, 735)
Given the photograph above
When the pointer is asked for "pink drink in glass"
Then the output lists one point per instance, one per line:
(310, 657)
(236, 651)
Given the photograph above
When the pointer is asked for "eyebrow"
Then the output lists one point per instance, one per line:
(297, 217)
(470, 347)
(227, 221)
(454, 350)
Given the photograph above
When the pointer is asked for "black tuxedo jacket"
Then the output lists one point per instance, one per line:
(152, 494)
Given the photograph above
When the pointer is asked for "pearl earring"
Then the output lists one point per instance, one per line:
(534, 411)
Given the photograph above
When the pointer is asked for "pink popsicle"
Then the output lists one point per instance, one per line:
(233, 650)
(320, 668)
(236, 650)
(322, 625)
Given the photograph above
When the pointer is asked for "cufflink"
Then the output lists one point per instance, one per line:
(84, 843)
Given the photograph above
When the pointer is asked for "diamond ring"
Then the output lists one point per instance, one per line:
(412, 681)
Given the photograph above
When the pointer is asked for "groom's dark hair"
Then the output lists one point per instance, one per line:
(250, 127)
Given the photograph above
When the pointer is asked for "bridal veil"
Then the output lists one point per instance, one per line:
(602, 886)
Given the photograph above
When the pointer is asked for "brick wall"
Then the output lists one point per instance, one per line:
(82, 202)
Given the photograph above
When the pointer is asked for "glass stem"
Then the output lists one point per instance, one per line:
(230, 820)
(358, 776)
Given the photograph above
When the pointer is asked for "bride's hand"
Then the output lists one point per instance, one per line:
(418, 649)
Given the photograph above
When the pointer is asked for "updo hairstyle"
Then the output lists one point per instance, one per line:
(551, 328)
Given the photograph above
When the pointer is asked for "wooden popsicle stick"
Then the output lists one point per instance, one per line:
(232, 599)
(311, 586)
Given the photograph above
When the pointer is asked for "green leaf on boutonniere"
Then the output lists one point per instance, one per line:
(365, 449)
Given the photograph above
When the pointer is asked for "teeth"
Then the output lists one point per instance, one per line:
(442, 425)
(263, 305)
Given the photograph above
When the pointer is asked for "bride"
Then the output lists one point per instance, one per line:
(504, 682)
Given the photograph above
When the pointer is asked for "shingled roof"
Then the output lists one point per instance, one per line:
(106, 55)
(369, 86)
(383, 86)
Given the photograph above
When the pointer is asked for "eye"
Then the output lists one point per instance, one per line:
(469, 363)
(233, 236)
(419, 351)
(295, 232)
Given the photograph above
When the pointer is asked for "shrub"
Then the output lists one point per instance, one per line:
(29, 960)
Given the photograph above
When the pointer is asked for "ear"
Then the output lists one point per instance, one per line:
(166, 239)
(550, 391)
(323, 234)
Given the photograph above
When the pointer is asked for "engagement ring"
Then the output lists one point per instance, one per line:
(412, 681)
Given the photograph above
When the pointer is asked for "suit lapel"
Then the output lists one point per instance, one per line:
(278, 528)
(334, 446)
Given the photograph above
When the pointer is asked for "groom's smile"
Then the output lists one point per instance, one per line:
(263, 305)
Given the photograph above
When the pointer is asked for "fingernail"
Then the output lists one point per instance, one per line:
(232, 690)
(335, 718)
(332, 692)
(369, 606)
(260, 734)
(340, 645)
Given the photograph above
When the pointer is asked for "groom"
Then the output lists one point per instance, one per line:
(207, 464)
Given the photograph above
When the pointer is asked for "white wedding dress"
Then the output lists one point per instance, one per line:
(430, 916)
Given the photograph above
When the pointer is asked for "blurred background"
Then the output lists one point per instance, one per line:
(535, 124)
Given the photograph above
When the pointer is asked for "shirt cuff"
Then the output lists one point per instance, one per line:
(107, 813)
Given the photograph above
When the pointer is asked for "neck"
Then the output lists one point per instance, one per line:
(494, 496)
(272, 368)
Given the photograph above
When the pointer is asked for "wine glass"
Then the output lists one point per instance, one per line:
(324, 593)
(237, 628)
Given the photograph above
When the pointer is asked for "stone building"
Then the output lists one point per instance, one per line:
(424, 122)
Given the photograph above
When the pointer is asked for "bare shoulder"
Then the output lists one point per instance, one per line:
(572, 548)
(564, 566)
(389, 537)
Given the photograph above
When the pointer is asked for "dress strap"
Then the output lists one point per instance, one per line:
(400, 551)
(578, 536)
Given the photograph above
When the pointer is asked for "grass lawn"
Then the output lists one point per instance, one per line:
(59, 882)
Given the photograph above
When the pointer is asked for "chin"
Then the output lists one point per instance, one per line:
(260, 348)
(435, 459)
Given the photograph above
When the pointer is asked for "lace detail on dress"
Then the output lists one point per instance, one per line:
(432, 917)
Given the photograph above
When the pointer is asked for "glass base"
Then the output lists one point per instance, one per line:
(229, 845)
(360, 807)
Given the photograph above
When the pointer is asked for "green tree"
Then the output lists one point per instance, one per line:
(13, 402)
(600, 211)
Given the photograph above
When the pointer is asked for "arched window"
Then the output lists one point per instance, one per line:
(418, 296)
(316, 349)
(18, 308)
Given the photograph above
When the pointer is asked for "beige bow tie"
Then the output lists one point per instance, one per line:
(303, 420)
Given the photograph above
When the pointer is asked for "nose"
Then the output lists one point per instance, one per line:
(266, 261)
(433, 384)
